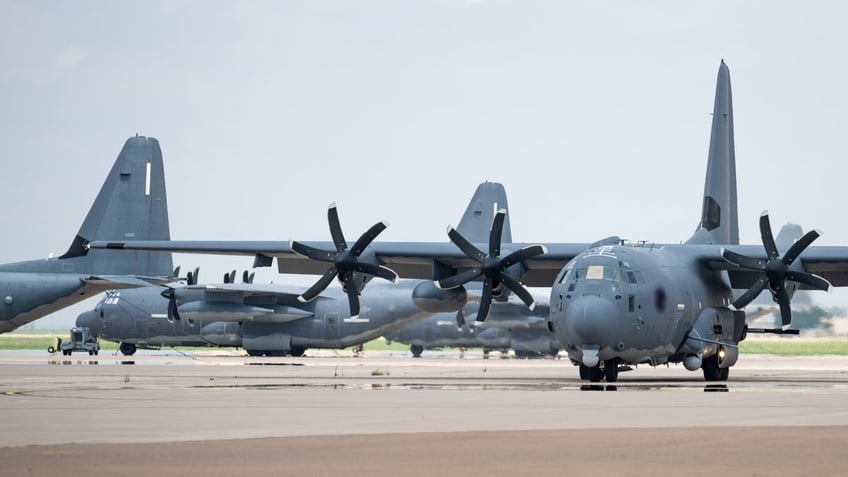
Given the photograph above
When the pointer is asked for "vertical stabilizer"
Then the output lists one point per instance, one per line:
(477, 220)
(131, 205)
(719, 216)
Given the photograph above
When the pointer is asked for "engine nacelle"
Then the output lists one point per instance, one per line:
(222, 333)
(433, 300)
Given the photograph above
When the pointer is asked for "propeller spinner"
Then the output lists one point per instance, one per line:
(345, 262)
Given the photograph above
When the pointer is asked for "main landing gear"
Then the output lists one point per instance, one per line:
(712, 371)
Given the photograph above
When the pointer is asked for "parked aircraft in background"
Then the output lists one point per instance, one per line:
(271, 319)
(612, 305)
(131, 203)
(264, 319)
(510, 326)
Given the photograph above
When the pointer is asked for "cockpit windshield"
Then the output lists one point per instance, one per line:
(598, 272)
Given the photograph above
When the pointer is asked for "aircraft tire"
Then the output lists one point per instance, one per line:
(297, 351)
(611, 370)
(416, 350)
(253, 352)
(127, 349)
(595, 374)
(711, 370)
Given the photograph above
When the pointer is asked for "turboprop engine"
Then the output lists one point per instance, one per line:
(427, 297)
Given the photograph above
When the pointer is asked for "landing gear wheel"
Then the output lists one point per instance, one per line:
(611, 370)
(253, 352)
(127, 349)
(594, 374)
(416, 350)
(297, 351)
(711, 370)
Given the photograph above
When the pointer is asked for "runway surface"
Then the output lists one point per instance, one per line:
(168, 413)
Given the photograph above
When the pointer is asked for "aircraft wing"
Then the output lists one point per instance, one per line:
(126, 281)
(281, 292)
(828, 262)
(407, 259)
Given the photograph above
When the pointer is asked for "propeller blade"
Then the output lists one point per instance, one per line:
(319, 286)
(768, 238)
(458, 279)
(812, 281)
(752, 293)
(226, 277)
(467, 248)
(485, 303)
(742, 261)
(312, 252)
(496, 233)
(783, 301)
(523, 254)
(336, 228)
(173, 314)
(376, 271)
(799, 246)
(365, 240)
(460, 319)
(177, 271)
(519, 290)
(353, 300)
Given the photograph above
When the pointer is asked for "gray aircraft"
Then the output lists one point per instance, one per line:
(508, 326)
(131, 204)
(264, 319)
(612, 304)
(269, 319)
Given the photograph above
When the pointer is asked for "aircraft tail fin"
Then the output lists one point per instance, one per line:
(131, 204)
(719, 215)
(478, 217)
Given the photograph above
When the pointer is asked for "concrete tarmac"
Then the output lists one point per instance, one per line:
(217, 413)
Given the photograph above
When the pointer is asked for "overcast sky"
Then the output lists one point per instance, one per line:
(594, 115)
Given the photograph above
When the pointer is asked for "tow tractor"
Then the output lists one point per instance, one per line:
(81, 340)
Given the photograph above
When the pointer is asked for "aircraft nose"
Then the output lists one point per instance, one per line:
(89, 319)
(592, 320)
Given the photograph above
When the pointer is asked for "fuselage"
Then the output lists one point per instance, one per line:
(140, 316)
(634, 303)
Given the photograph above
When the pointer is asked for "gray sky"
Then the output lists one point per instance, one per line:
(594, 115)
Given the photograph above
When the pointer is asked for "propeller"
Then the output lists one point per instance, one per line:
(168, 293)
(191, 278)
(230, 277)
(775, 270)
(248, 278)
(345, 262)
(492, 267)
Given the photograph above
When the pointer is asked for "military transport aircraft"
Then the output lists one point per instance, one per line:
(612, 305)
(269, 319)
(131, 203)
(509, 326)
